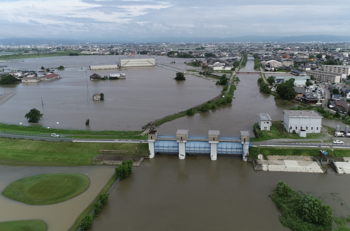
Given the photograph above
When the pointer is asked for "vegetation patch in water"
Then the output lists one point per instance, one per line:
(47, 189)
(301, 212)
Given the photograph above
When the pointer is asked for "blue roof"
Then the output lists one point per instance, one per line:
(230, 148)
(229, 138)
(198, 137)
(197, 147)
(166, 146)
(166, 137)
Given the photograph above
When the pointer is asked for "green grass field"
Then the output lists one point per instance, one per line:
(279, 132)
(44, 153)
(26, 225)
(76, 133)
(47, 189)
(269, 151)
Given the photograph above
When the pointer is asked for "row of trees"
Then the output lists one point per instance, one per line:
(86, 222)
(122, 171)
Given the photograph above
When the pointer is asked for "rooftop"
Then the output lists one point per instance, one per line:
(264, 116)
(297, 113)
(214, 133)
(182, 132)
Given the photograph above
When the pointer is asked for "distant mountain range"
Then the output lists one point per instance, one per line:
(247, 38)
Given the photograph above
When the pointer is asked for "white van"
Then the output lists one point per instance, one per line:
(338, 134)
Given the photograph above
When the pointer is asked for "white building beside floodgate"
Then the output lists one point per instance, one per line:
(302, 122)
(137, 62)
(265, 121)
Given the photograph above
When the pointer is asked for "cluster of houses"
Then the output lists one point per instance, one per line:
(216, 64)
(340, 102)
(26, 76)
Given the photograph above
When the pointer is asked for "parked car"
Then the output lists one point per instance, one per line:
(338, 142)
(55, 135)
(338, 134)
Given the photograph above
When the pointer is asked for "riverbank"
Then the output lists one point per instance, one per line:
(45, 153)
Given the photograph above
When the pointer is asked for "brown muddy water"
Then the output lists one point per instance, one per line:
(248, 102)
(166, 193)
(58, 217)
(146, 94)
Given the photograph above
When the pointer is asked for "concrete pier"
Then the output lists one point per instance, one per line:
(181, 138)
(213, 139)
(152, 137)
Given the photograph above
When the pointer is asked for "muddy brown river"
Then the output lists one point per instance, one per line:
(166, 193)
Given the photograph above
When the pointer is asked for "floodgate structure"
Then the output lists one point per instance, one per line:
(213, 144)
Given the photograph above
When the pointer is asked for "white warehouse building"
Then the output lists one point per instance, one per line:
(302, 122)
(104, 67)
(137, 62)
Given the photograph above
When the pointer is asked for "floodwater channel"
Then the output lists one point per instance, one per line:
(166, 193)
(247, 104)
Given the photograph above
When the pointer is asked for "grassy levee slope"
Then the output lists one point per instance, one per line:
(44, 153)
(25, 225)
(75, 133)
(279, 132)
(277, 151)
(46, 189)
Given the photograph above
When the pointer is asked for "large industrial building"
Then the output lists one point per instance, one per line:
(104, 67)
(137, 62)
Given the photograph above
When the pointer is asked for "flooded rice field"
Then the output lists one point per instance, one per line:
(58, 217)
(146, 94)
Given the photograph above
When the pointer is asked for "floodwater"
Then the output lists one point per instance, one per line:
(146, 94)
(58, 217)
(247, 104)
(166, 193)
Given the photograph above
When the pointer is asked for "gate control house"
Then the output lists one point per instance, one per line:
(213, 144)
(302, 122)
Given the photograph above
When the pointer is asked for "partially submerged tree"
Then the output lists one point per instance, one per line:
(33, 116)
(180, 76)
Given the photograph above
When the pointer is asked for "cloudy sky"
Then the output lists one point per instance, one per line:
(78, 19)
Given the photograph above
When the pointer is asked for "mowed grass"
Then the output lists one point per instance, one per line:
(25, 225)
(45, 153)
(279, 132)
(76, 133)
(270, 151)
(47, 189)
